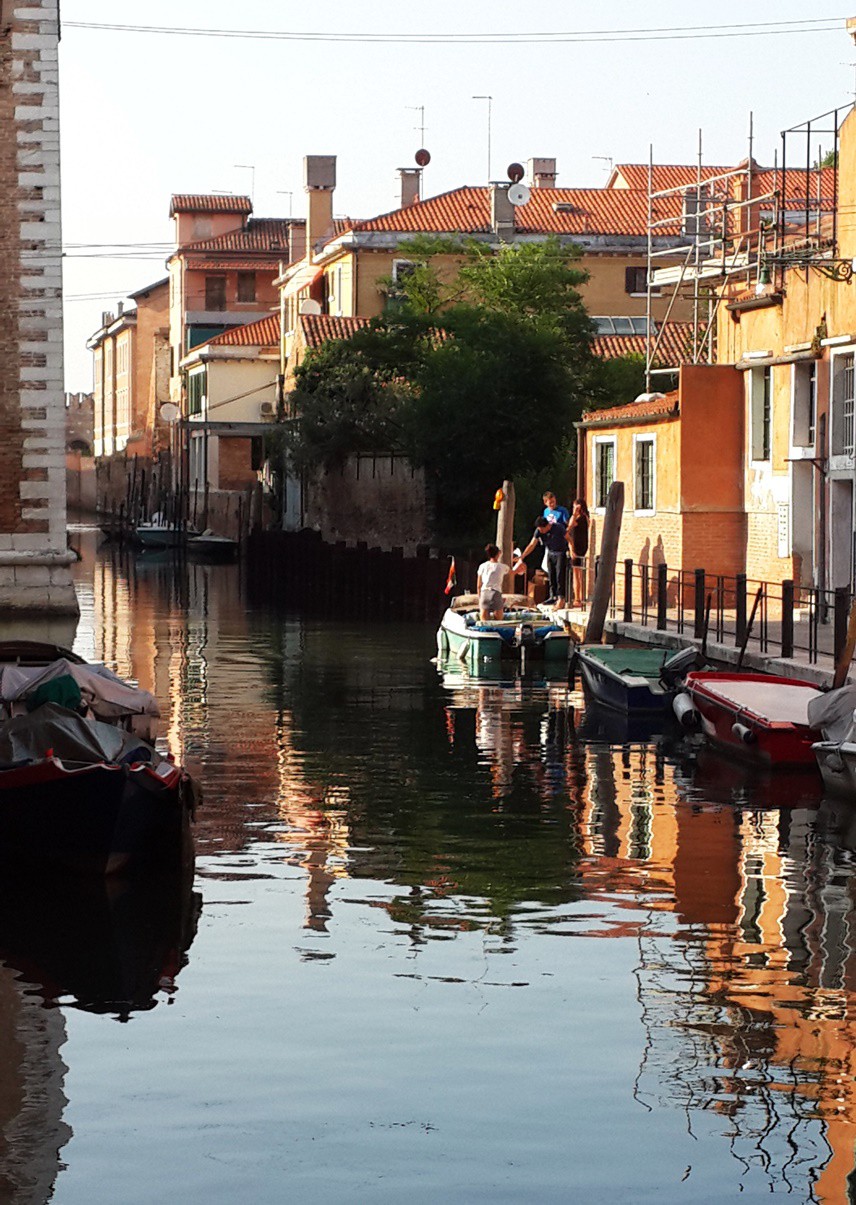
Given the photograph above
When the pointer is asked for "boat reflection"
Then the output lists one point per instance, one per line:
(711, 776)
(104, 946)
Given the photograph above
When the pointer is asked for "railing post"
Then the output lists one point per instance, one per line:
(842, 606)
(698, 628)
(628, 590)
(662, 583)
(739, 609)
(787, 618)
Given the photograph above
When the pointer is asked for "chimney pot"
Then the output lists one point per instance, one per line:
(541, 173)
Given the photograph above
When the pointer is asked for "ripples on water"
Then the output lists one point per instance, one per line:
(448, 940)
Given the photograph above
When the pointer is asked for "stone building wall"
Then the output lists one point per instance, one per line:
(34, 558)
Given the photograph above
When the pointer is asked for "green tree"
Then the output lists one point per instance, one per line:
(476, 375)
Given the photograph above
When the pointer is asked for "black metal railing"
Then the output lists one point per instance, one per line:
(781, 618)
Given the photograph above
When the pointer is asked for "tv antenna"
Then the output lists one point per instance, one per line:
(420, 109)
(605, 159)
(489, 100)
(249, 167)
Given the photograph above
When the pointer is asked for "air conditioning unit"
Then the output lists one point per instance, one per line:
(267, 409)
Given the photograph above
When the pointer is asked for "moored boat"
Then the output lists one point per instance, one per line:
(759, 717)
(81, 782)
(834, 716)
(522, 633)
(163, 535)
(210, 546)
(637, 681)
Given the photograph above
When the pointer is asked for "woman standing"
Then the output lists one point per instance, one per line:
(578, 532)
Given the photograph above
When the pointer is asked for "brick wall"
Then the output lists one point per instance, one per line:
(34, 561)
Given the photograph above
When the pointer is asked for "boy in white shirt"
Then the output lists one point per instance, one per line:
(491, 575)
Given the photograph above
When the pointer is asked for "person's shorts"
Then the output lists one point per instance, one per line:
(491, 600)
(578, 562)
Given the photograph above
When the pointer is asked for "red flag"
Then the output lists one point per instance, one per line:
(451, 580)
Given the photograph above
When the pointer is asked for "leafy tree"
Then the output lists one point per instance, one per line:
(476, 374)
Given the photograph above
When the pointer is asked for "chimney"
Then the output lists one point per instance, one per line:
(120, 308)
(541, 173)
(501, 210)
(319, 179)
(411, 180)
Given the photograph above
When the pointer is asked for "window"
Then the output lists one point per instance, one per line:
(804, 404)
(402, 268)
(215, 292)
(604, 470)
(637, 324)
(246, 286)
(842, 405)
(644, 454)
(636, 282)
(196, 392)
(760, 402)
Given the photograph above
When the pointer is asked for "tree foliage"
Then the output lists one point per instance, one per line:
(476, 372)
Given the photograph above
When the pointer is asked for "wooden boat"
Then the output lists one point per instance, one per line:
(523, 633)
(81, 782)
(637, 681)
(759, 717)
(163, 535)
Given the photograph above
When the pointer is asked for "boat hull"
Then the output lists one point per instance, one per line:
(742, 724)
(476, 648)
(99, 819)
(626, 693)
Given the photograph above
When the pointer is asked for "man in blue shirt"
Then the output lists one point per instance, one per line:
(554, 513)
(553, 538)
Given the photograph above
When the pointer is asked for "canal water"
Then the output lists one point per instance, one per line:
(447, 940)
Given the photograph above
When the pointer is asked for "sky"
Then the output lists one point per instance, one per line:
(144, 115)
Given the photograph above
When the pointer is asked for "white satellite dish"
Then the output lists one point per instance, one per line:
(518, 194)
(310, 306)
(169, 412)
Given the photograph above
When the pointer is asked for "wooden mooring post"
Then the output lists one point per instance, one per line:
(606, 571)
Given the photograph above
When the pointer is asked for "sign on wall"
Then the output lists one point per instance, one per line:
(784, 529)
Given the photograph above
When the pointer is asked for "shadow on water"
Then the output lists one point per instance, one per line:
(101, 945)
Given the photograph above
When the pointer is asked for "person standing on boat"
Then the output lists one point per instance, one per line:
(491, 575)
(578, 538)
(553, 538)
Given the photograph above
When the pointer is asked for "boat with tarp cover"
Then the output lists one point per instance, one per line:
(524, 632)
(81, 781)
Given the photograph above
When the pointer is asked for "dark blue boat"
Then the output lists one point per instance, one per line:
(635, 681)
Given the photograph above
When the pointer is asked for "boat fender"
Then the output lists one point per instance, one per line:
(744, 734)
(686, 711)
(464, 650)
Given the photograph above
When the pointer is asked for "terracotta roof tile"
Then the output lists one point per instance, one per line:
(184, 202)
(667, 405)
(685, 175)
(674, 348)
(321, 328)
(268, 235)
(562, 211)
(264, 332)
(664, 175)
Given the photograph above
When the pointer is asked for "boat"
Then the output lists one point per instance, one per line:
(523, 633)
(163, 535)
(82, 784)
(211, 546)
(634, 681)
(834, 715)
(758, 717)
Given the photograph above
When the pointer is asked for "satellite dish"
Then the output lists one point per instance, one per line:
(169, 412)
(310, 306)
(518, 194)
(422, 157)
(515, 172)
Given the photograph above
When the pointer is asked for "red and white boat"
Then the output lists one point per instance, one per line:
(759, 717)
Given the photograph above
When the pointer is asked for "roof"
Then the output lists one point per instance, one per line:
(634, 176)
(185, 202)
(560, 211)
(267, 235)
(674, 347)
(158, 284)
(321, 328)
(264, 332)
(666, 406)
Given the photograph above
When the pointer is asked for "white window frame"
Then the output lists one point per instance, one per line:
(756, 414)
(598, 442)
(638, 440)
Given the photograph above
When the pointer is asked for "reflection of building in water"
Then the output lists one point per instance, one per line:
(748, 1004)
(32, 1131)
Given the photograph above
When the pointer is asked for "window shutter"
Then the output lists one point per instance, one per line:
(629, 280)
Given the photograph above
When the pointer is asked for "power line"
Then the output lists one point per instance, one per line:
(643, 34)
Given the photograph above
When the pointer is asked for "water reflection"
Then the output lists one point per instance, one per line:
(493, 834)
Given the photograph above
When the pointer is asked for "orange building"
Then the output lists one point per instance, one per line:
(683, 506)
